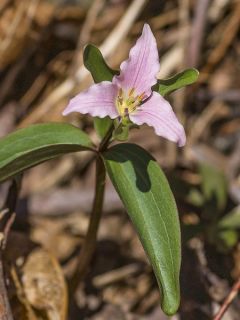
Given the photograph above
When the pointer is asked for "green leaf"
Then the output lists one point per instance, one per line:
(95, 63)
(226, 240)
(148, 199)
(231, 220)
(100, 71)
(30, 146)
(180, 80)
(214, 185)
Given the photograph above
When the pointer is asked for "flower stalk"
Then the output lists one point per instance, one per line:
(105, 141)
(89, 244)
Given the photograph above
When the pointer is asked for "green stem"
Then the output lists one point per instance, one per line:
(89, 244)
(104, 144)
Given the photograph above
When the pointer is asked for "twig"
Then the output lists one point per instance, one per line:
(87, 27)
(7, 219)
(10, 32)
(121, 29)
(60, 201)
(158, 22)
(116, 275)
(197, 32)
(89, 23)
(171, 60)
(229, 299)
(217, 9)
(6, 230)
(5, 310)
(17, 21)
(14, 71)
(4, 5)
(215, 109)
(11, 199)
(227, 39)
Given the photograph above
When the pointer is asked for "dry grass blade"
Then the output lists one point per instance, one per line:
(219, 51)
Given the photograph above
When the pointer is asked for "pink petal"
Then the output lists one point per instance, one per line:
(140, 70)
(158, 113)
(98, 101)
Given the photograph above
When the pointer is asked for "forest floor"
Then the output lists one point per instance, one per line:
(41, 67)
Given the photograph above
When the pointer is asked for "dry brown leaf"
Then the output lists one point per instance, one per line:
(44, 284)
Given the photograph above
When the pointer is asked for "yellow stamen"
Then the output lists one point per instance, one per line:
(127, 104)
(131, 92)
(120, 92)
(141, 96)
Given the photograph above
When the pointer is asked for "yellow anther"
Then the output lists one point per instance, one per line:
(120, 97)
(126, 104)
(140, 98)
(120, 92)
(131, 92)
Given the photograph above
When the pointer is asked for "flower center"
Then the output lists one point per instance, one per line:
(127, 103)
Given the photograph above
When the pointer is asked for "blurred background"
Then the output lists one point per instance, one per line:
(41, 68)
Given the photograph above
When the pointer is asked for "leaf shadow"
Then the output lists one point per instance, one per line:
(138, 158)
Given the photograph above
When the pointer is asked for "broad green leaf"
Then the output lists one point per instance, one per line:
(95, 63)
(231, 220)
(30, 146)
(148, 199)
(100, 71)
(180, 80)
(214, 185)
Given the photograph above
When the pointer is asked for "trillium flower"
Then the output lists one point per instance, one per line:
(129, 96)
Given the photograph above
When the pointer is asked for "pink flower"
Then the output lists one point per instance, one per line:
(129, 95)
